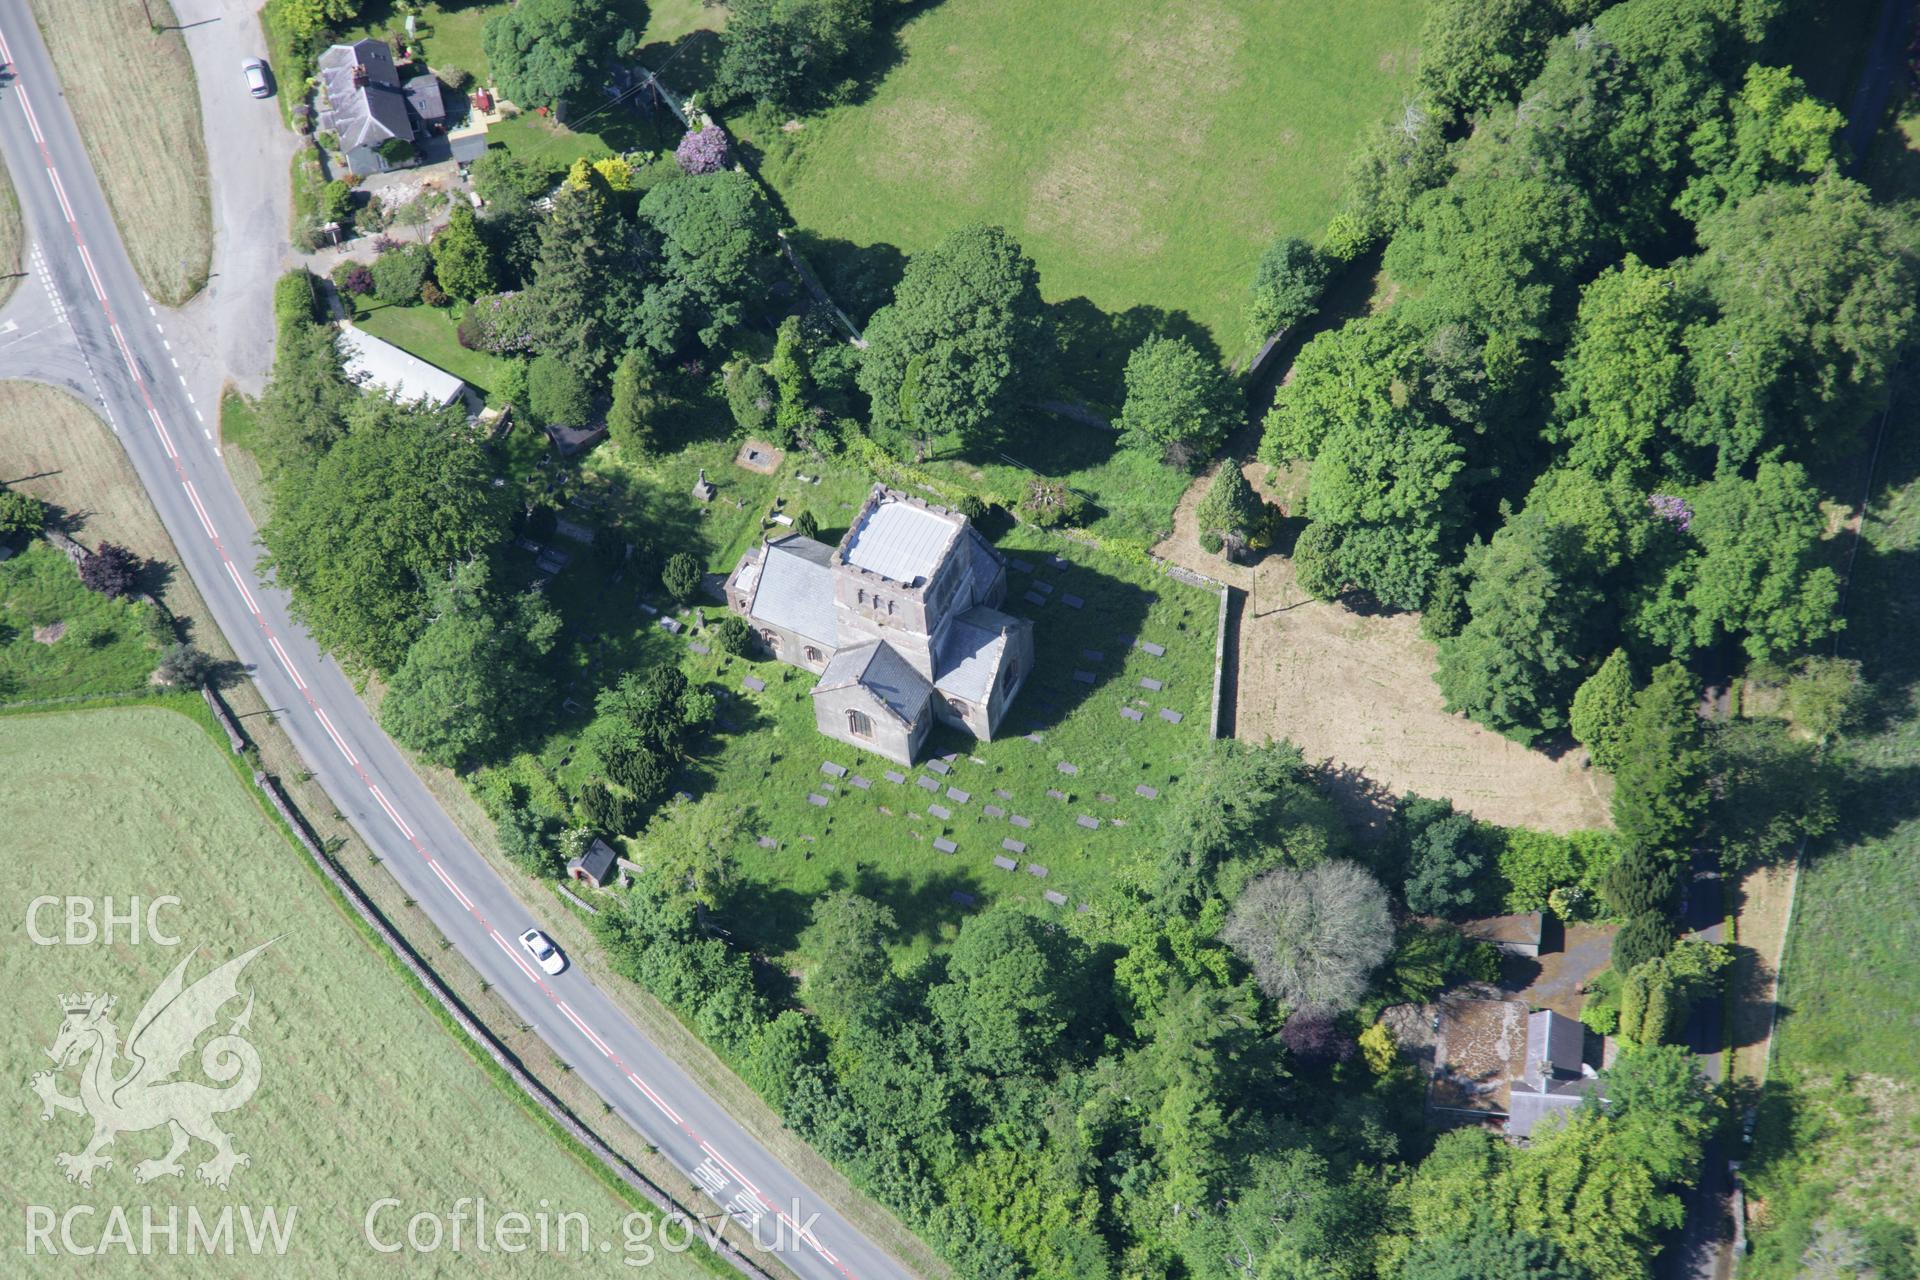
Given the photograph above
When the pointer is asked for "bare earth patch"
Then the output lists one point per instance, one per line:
(49, 634)
(1359, 692)
(1766, 896)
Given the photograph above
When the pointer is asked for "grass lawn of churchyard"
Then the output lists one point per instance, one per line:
(1143, 153)
(880, 838)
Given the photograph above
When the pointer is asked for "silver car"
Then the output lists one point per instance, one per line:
(256, 73)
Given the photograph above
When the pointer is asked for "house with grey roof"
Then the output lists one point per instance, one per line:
(901, 621)
(1494, 1060)
(364, 103)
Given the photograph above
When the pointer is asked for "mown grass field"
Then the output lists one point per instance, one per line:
(363, 1094)
(133, 94)
(1144, 153)
(432, 334)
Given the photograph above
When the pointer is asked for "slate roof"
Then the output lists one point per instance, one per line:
(380, 366)
(877, 667)
(364, 115)
(968, 660)
(596, 863)
(423, 95)
(795, 590)
(1555, 1045)
(900, 540)
(1526, 1109)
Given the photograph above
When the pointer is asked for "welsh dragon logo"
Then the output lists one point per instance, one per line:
(141, 1094)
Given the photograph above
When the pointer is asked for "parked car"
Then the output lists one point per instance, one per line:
(544, 953)
(256, 73)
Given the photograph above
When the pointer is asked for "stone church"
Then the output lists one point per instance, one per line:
(901, 621)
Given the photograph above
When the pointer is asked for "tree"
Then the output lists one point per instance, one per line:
(462, 263)
(781, 53)
(956, 347)
(1478, 54)
(806, 526)
(398, 274)
(1316, 562)
(1624, 379)
(693, 845)
(111, 570)
(505, 180)
(1014, 990)
(545, 52)
(1448, 867)
(1772, 131)
(476, 677)
(1314, 1036)
(21, 514)
(717, 244)
(1230, 510)
(183, 666)
(750, 396)
(1642, 881)
(303, 410)
(1821, 694)
(1770, 792)
(1516, 664)
(1760, 573)
(704, 150)
(1659, 795)
(403, 497)
(1815, 286)
(637, 403)
(1256, 806)
(1383, 486)
(526, 838)
(791, 382)
(1486, 1252)
(1312, 937)
(1601, 707)
(852, 976)
(1179, 403)
(308, 18)
(1641, 939)
(681, 576)
(1286, 287)
(587, 280)
(1357, 373)
(557, 394)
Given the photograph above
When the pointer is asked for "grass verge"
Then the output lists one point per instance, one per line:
(134, 96)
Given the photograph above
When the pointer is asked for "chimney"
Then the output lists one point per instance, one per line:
(359, 75)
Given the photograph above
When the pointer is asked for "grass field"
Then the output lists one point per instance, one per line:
(12, 236)
(134, 96)
(58, 639)
(1841, 1122)
(362, 1094)
(1144, 153)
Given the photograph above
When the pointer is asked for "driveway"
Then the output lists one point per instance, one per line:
(226, 332)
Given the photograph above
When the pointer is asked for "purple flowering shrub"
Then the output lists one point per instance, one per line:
(704, 150)
(497, 324)
(1672, 509)
(359, 279)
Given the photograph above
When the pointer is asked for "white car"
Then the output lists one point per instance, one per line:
(256, 73)
(544, 953)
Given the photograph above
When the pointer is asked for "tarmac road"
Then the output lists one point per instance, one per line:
(84, 322)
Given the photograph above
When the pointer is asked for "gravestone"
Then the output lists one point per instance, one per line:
(1146, 792)
(1037, 871)
(1157, 650)
(940, 811)
(1090, 823)
(1071, 600)
(894, 775)
(1084, 677)
(816, 798)
(1021, 821)
(1131, 714)
(1170, 715)
(833, 770)
(1056, 897)
(1093, 655)
(754, 684)
(863, 783)
(1150, 684)
(958, 796)
(1012, 846)
(1070, 770)
(945, 845)
(1005, 863)
(926, 784)
(940, 767)
(995, 811)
